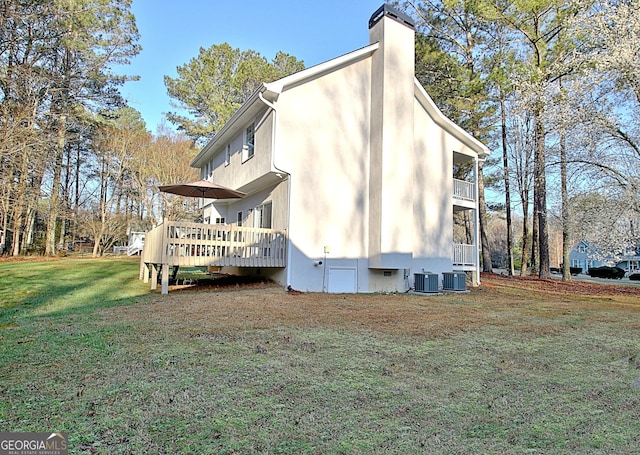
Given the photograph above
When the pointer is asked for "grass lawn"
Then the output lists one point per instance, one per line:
(516, 366)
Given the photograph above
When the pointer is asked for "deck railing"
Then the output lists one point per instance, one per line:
(464, 255)
(195, 244)
(465, 191)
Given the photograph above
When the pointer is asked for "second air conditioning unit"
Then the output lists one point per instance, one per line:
(454, 281)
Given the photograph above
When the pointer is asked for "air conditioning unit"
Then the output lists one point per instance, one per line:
(454, 281)
(425, 282)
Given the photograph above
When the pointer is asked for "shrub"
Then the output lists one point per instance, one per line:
(635, 276)
(606, 272)
(572, 270)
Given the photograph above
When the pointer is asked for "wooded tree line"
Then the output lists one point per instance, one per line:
(553, 87)
(76, 161)
(69, 147)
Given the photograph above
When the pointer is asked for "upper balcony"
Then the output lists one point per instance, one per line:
(464, 194)
(464, 191)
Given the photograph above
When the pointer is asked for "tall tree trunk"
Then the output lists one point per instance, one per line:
(17, 231)
(526, 247)
(19, 207)
(540, 194)
(5, 224)
(482, 217)
(76, 196)
(535, 248)
(54, 201)
(566, 214)
(29, 229)
(526, 238)
(507, 191)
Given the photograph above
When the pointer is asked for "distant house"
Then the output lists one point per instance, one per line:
(630, 261)
(586, 255)
(348, 171)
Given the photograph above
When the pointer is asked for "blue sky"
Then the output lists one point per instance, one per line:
(172, 33)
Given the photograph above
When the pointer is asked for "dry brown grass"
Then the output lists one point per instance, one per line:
(499, 301)
(516, 366)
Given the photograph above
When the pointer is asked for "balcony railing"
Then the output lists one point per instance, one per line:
(464, 255)
(195, 244)
(465, 191)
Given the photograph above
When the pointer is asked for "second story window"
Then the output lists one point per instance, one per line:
(249, 143)
(227, 155)
(207, 171)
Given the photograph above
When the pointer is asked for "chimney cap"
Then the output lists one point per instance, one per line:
(389, 11)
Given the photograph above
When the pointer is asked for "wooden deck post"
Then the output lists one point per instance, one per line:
(165, 279)
(154, 276)
(144, 271)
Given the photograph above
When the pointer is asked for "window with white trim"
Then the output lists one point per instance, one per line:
(239, 219)
(206, 173)
(227, 155)
(262, 216)
(248, 149)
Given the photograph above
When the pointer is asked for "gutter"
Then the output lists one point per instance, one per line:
(196, 162)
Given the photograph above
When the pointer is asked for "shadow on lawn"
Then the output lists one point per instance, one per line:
(58, 288)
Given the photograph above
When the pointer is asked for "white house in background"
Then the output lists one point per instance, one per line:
(630, 263)
(353, 163)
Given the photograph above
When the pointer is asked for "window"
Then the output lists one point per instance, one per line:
(262, 216)
(239, 219)
(220, 220)
(248, 148)
(206, 173)
(227, 155)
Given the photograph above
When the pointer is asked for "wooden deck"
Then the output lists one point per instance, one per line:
(178, 243)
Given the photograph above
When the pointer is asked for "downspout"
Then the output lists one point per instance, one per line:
(477, 220)
(272, 106)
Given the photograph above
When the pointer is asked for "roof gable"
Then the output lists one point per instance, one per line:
(270, 91)
(447, 124)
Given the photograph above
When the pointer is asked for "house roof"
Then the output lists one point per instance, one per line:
(447, 124)
(270, 91)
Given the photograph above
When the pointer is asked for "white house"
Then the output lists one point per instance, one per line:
(348, 171)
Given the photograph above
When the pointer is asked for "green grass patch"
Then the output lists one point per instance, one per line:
(93, 353)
